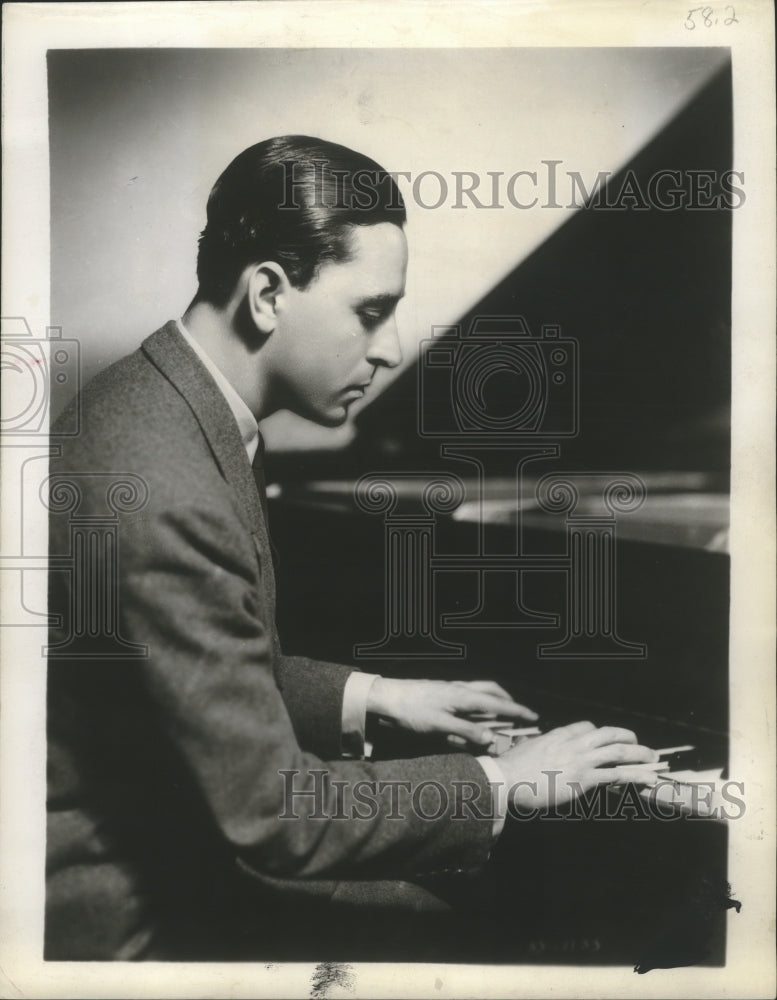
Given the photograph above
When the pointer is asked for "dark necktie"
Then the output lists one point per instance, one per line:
(257, 467)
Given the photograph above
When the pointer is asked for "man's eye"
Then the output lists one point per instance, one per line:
(371, 317)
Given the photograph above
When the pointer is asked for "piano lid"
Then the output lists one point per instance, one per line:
(646, 297)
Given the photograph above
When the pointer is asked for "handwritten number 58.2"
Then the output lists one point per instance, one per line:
(707, 17)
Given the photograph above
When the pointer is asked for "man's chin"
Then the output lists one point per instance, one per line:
(335, 417)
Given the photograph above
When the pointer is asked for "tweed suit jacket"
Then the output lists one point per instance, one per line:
(165, 765)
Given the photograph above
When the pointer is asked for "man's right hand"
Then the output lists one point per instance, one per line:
(558, 766)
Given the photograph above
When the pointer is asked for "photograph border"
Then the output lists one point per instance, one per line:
(31, 30)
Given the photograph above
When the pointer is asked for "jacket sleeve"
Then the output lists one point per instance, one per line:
(190, 590)
(312, 691)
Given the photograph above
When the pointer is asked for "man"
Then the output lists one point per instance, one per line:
(213, 762)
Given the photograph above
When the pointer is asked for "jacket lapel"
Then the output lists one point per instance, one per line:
(168, 351)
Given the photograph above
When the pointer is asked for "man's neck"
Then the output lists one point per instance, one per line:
(215, 331)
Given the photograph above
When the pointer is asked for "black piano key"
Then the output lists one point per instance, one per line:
(687, 760)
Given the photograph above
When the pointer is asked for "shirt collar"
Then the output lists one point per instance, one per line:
(246, 422)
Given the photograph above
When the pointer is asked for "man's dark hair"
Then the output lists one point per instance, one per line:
(293, 200)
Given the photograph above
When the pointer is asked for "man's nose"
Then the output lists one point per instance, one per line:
(384, 347)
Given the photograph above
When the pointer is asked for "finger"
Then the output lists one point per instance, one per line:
(470, 731)
(488, 704)
(610, 734)
(621, 753)
(483, 717)
(517, 711)
(512, 710)
(457, 741)
(489, 687)
(633, 775)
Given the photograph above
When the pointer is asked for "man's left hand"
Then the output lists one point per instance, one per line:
(453, 708)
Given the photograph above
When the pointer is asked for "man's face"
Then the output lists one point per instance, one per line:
(331, 336)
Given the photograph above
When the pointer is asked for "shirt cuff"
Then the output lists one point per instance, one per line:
(496, 778)
(355, 694)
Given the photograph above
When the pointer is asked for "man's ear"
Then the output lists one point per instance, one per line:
(266, 285)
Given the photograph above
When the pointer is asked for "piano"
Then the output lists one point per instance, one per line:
(598, 891)
(575, 550)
